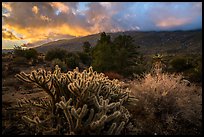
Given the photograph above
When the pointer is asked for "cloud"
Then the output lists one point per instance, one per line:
(45, 18)
(171, 22)
(8, 35)
(171, 16)
(60, 6)
(6, 6)
(102, 16)
(35, 9)
(39, 22)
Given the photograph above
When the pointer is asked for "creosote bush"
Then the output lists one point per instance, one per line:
(166, 105)
(60, 63)
(80, 102)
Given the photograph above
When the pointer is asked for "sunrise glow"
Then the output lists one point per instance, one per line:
(38, 23)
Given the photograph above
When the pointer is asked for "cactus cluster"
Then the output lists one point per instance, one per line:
(82, 102)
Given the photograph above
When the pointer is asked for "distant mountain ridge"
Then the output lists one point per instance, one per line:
(150, 42)
(6, 50)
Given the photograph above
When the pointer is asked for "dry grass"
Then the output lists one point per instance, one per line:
(166, 106)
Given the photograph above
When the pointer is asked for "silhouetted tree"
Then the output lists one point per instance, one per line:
(126, 55)
(120, 56)
(103, 54)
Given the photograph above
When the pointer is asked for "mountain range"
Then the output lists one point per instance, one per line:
(151, 42)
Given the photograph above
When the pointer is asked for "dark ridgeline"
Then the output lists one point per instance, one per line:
(150, 42)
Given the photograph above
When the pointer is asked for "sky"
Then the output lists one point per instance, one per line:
(30, 24)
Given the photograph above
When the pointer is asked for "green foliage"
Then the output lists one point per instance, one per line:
(127, 56)
(194, 74)
(189, 65)
(72, 60)
(86, 47)
(104, 38)
(55, 53)
(102, 54)
(18, 51)
(27, 53)
(60, 63)
(85, 58)
(139, 69)
(179, 64)
(120, 55)
(31, 53)
(103, 57)
(82, 103)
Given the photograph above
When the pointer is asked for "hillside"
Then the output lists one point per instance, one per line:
(149, 42)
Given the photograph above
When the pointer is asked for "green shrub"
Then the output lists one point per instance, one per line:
(85, 58)
(55, 53)
(30, 54)
(18, 51)
(86, 47)
(20, 61)
(41, 60)
(72, 60)
(194, 74)
(180, 64)
(140, 69)
(60, 63)
(27, 53)
(81, 103)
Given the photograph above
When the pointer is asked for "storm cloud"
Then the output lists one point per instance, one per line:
(40, 22)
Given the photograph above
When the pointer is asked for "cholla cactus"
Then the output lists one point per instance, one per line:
(88, 102)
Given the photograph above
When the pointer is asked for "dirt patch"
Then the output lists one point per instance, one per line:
(13, 97)
(12, 91)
